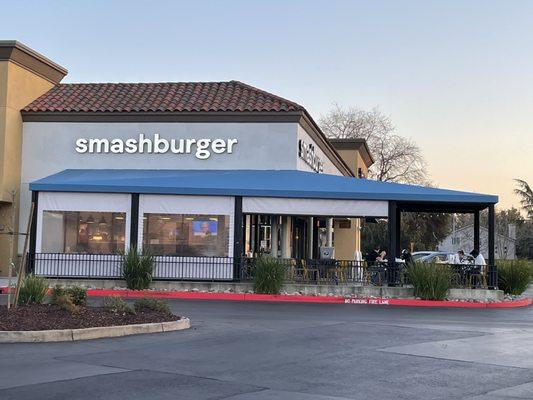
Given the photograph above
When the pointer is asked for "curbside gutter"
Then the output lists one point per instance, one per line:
(287, 298)
(68, 335)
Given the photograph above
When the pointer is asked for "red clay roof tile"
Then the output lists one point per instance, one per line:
(232, 96)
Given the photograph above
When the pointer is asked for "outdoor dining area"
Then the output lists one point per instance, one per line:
(352, 272)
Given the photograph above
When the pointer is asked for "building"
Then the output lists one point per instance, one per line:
(201, 173)
(463, 239)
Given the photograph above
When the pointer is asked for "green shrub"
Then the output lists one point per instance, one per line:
(430, 281)
(117, 305)
(77, 294)
(149, 303)
(513, 276)
(58, 291)
(65, 303)
(33, 290)
(137, 268)
(268, 275)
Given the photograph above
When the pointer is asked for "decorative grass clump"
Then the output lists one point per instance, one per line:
(514, 276)
(268, 275)
(33, 290)
(137, 268)
(77, 294)
(149, 303)
(430, 281)
(117, 305)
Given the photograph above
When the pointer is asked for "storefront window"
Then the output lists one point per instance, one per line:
(83, 232)
(186, 235)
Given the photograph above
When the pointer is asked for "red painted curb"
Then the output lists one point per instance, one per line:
(304, 299)
(287, 298)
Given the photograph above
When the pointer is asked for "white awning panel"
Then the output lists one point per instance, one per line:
(315, 207)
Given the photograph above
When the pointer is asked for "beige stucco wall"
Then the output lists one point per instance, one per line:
(354, 160)
(348, 241)
(18, 87)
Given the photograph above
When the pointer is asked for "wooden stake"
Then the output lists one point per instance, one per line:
(22, 267)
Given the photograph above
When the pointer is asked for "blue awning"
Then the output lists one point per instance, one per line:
(262, 183)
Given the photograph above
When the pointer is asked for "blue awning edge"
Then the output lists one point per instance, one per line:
(259, 183)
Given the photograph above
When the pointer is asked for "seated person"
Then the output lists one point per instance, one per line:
(406, 256)
(458, 258)
(478, 258)
(382, 257)
(372, 256)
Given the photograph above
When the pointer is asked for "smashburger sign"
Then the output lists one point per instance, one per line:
(306, 151)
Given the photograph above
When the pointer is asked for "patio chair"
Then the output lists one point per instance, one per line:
(338, 272)
(478, 280)
(291, 270)
(310, 268)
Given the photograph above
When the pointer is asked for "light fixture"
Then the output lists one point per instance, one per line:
(102, 222)
(119, 217)
(90, 220)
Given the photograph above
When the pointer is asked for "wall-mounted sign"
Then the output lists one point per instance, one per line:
(306, 151)
(201, 148)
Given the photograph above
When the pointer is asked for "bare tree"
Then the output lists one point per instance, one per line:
(397, 159)
(526, 196)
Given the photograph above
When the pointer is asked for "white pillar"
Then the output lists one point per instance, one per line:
(274, 236)
(329, 232)
(286, 237)
(310, 222)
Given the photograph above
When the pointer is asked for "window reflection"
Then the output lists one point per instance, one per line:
(186, 234)
(83, 232)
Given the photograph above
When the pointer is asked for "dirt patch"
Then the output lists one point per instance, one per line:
(48, 316)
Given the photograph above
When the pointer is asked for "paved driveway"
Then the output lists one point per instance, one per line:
(256, 351)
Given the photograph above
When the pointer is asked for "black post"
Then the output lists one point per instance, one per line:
(393, 243)
(134, 220)
(237, 238)
(492, 271)
(476, 230)
(30, 265)
(257, 234)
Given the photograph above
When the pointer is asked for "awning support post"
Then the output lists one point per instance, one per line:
(394, 242)
(33, 233)
(237, 238)
(134, 221)
(492, 271)
(476, 230)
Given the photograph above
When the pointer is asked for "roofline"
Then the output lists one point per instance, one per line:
(354, 143)
(162, 116)
(22, 55)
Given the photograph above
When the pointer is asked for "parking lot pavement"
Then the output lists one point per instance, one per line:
(257, 351)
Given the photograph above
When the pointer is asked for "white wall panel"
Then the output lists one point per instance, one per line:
(315, 207)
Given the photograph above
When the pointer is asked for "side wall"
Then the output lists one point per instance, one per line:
(18, 87)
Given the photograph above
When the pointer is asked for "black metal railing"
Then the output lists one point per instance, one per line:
(109, 266)
(332, 272)
(337, 272)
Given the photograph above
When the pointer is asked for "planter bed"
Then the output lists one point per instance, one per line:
(47, 317)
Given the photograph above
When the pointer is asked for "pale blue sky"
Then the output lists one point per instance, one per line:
(455, 76)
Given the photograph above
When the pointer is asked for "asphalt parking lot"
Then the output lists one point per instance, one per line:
(257, 351)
